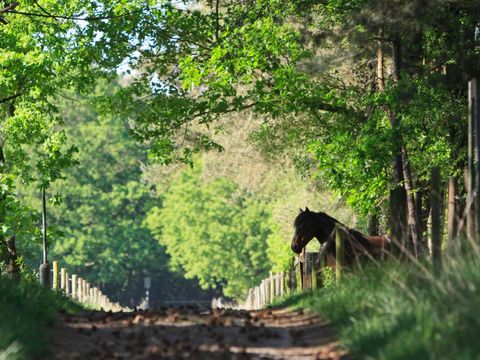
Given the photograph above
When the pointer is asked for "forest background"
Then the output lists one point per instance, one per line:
(257, 107)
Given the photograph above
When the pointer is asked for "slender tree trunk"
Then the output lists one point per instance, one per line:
(397, 161)
(13, 269)
(413, 220)
(402, 171)
(12, 257)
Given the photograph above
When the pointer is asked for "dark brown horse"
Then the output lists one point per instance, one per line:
(309, 224)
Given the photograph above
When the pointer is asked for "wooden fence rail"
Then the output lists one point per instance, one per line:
(81, 290)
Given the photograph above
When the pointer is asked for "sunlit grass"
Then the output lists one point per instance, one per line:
(27, 311)
(399, 310)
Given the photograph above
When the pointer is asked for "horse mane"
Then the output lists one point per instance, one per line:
(331, 221)
(318, 215)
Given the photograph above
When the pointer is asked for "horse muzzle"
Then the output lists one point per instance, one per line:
(296, 248)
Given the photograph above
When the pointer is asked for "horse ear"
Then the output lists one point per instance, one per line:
(307, 209)
(301, 211)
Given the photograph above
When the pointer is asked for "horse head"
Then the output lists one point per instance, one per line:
(309, 224)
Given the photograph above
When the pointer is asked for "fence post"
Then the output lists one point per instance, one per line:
(84, 290)
(67, 283)
(309, 265)
(272, 287)
(301, 259)
(89, 288)
(80, 289)
(292, 276)
(62, 278)
(340, 251)
(264, 292)
(282, 283)
(398, 220)
(436, 220)
(74, 286)
(55, 274)
(452, 220)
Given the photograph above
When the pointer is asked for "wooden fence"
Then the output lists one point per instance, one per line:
(81, 290)
(303, 274)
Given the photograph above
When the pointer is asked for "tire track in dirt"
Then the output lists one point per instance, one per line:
(191, 333)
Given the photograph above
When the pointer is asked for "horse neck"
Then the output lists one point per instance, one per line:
(325, 226)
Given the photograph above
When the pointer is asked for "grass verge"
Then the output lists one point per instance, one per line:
(401, 311)
(26, 313)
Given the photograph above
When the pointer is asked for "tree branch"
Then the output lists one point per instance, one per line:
(88, 18)
(216, 20)
(7, 99)
(9, 7)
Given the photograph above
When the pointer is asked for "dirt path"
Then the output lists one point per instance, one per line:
(195, 334)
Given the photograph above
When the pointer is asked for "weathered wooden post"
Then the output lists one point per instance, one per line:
(292, 284)
(44, 270)
(301, 259)
(62, 278)
(282, 283)
(452, 220)
(90, 295)
(265, 294)
(314, 275)
(79, 289)
(259, 297)
(272, 287)
(340, 240)
(74, 286)
(398, 220)
(277, 284)
(84, 290)
(269, 290)
(67, 283)
(55, 274)
(436, 199)
(309, 269)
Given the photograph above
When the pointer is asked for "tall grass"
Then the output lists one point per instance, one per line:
(399, 310)
(27, 311)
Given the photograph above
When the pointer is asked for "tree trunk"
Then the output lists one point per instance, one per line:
(12, 257)
(397, 160)
(413, 219)
(402, 171)
(13, 269)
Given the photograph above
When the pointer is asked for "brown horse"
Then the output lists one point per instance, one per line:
(309, 224)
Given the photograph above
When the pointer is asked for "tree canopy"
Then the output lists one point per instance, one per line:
(361, 96)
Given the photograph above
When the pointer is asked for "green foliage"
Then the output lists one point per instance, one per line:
(400, 312)
(102, 206)
(214, 232)
(328, 277)
(45, 50)
(27, 310)
(307, 69)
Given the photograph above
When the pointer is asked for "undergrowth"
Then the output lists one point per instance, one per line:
(26, 313)
(401, 311)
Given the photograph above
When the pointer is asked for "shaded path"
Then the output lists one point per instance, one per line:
(195, 334)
